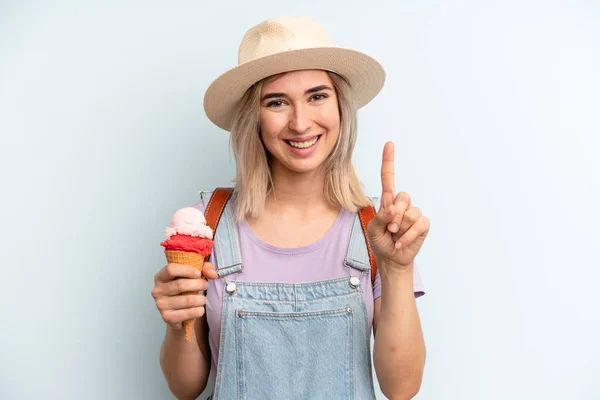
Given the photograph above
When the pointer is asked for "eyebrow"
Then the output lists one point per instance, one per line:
(308, 91)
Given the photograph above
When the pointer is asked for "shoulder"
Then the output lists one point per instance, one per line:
(374, 201)
(199, 205)
(364, 212)
(221, 196)
(203, 198)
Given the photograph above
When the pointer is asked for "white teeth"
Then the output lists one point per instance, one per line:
(303, 145)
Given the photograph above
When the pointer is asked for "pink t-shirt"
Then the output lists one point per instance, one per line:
(318, 261)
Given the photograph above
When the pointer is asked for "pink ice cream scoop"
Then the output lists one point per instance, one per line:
(189, 221)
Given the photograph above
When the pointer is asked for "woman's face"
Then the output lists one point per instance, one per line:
(299, 119)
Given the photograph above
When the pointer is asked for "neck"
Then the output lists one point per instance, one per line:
(297, 191)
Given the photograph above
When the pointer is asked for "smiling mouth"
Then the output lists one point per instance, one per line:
(305, 144)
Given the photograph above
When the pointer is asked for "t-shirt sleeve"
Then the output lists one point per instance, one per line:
(200, 206)
(418, 287)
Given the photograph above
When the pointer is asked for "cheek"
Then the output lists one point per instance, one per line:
(329, 116)
(271, 125)
(269, 138)
(268, 135)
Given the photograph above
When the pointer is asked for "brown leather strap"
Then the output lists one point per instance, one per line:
(366, 214)
(215, 206)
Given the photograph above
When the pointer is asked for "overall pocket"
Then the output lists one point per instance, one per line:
(308, 354)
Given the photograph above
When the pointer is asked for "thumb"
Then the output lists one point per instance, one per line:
(208, 271)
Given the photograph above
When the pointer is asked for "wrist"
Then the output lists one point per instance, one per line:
(390, 267)
(175, 333)
(392, 273)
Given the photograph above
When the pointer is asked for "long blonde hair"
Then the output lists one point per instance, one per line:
(253, 180)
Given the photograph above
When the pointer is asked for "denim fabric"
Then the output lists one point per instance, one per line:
(292, 340)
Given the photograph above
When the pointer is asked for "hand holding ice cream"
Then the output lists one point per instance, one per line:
(178, 284)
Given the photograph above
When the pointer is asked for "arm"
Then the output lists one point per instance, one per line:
(397, 233)
(186, 365)
(399, 352)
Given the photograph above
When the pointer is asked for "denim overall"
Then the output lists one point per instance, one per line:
(292, 340)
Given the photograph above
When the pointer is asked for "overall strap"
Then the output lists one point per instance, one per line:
(219, 217)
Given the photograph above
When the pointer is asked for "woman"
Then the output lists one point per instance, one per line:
(290, 303)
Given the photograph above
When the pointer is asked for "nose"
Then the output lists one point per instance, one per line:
(300, 119)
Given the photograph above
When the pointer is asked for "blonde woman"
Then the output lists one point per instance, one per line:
(291, 290)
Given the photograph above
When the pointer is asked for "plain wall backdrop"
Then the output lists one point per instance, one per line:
(494, 108)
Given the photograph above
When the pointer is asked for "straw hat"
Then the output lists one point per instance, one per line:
(287, 44)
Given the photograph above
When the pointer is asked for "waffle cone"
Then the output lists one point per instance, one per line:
(187, 258)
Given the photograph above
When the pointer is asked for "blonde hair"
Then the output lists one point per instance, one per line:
(253, 180)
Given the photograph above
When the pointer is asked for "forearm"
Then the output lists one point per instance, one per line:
(185, 366)
(399, 351)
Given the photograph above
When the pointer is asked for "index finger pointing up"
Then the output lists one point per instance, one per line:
(387, 170)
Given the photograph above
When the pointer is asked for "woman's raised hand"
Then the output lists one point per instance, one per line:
(398, 230)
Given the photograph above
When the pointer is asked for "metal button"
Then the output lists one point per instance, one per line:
(231, 287)
(240, 313)
(354, 282)
(349, 310)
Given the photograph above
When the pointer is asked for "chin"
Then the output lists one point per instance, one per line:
(305, 168)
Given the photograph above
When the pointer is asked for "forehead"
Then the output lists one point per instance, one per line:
(296, 80)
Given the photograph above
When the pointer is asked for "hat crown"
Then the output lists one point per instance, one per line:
(282, 34)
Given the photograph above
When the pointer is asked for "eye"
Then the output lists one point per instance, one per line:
(319, 96)
(275, 103)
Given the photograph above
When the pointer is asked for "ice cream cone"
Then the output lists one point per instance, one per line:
(196, 260)
(187, 258)
(189, 242)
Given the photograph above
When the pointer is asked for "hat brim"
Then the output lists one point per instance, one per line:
(365, 75)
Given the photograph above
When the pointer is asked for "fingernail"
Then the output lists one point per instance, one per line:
(197, 273)
(394, 227)
(398, 244)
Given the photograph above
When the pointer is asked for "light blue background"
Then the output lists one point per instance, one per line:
(494, 109)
